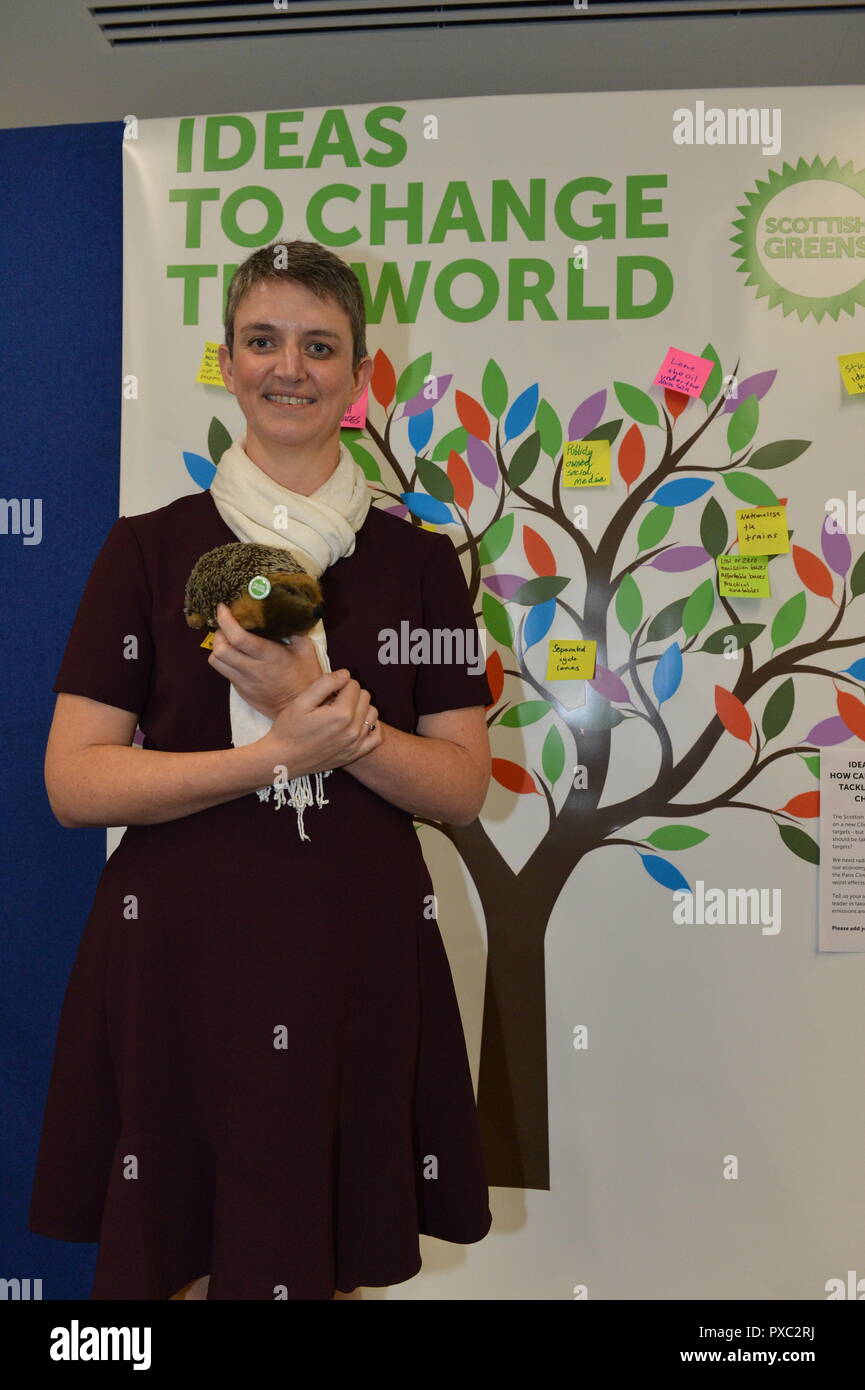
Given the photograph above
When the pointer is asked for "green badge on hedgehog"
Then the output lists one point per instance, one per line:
(258, 586)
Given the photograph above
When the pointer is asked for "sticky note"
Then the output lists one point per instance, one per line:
(852, 366)
(743, 576)
(209, 373)
(570, 660)
(682, 371)
(586, 463)
(763, 530)
(355, 417)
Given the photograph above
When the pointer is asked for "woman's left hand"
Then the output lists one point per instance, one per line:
(266, 674)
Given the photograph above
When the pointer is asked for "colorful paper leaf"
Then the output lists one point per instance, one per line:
(472, 416)
(733, 714)
(412, 378)
(610, 686)
(665, 873)
(806, 806)
(497, 621)
(743, 634)
(788, 621)
(680, 491)
(521, 413)
(383, 382)
(778, 454)
(749, 489)
(495, 676)
(461, 481)
(496, 539)
(698, 608)
(828, 732)
(680, 558)
(743, 424)
(752, 386)
(632, 455)
(667, 676)
(812, 572)
(494, 389)
(714, 531)
(636, 403)
(512, 777)
(587, 415)
(675, 401)
(538, 622)
(629, 604)
(779, 709)
(538, 553)
(852, 711)
(524, 460)
(654, 527)
(836, 548)
(526, 712)
(553, 756)
(676, 837)
(800, 843)
(667, 621)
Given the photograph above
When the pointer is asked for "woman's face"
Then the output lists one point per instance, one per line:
(288, 342)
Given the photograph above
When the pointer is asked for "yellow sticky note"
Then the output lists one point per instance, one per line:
(570, 660)
(743, 576)
(852, 366)
(209, 373)
(763, 530)
(586, 463)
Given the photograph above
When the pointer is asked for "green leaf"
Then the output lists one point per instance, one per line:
(676, 837)
(629, 604)
(494, 389)
(553, 756)
(496, 539)
(748, 488)
(698, 609)
(668, 621)
(857, 577)
(800, 843)
(714, 531)
(788, 621)
(218, 440)
(539, 590)
(497, 620)
(636, 403)
(607, 431)
(654, 526)
(779, 709)
(715, 378)
(455, 439)
(526, 712)
(812, 763)
(549, 428)
(743, 424)
(744, 634)
(412, 378)
(776, 455)
(364, 459)
(434, 480)
(524, 460)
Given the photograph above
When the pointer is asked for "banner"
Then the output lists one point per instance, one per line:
(619, 346)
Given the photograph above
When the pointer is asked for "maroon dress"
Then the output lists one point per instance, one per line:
(260, 1071)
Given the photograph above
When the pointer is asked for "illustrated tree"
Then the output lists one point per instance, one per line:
(478, 461)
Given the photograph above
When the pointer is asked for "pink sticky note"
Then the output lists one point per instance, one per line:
(355, 417)
(682, 371)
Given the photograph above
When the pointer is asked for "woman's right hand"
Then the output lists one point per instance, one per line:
(325, 726)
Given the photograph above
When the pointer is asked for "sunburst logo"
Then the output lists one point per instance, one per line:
(801, 238)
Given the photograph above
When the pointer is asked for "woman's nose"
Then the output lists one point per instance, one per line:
(290, 362)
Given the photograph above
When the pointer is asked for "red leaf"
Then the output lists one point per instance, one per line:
(632, 455)
(512, 776)
(472, 416)
(812, 572)
(806, 805)
(538, 553)
(495, 676)
(675, 401)
(732, 714)
(383, 383)
(852, 711)
(461, 478)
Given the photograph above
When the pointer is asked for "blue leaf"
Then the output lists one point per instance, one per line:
(427, 508)
(665, 873)
(539, 622)
(200, 470)
(668, 673)
(521, 413)
(420, 427)
(680, 491)
(857, 670)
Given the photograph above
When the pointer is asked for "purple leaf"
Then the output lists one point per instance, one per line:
(752, 386)
(828, 731)
(587, 415)
(504, 585)
(680, 557)
(611, 686)
(419, 403)
(835, 547)
(482, 462)
(398, 510)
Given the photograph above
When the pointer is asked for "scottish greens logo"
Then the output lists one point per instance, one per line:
(801, 238)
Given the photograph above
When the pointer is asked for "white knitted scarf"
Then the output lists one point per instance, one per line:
(318, 530)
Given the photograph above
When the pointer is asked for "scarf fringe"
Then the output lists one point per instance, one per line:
(298, 795)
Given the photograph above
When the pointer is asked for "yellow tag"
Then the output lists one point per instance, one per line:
(586, 463)
(762, 530)
(852, 367)
(209, 373)
(570, 660)
(208, 641)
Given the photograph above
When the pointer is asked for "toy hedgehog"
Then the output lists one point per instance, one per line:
(266, 589)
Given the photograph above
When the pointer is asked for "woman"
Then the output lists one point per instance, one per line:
(260, 1087)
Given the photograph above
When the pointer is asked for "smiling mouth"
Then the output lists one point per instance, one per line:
(290, 402)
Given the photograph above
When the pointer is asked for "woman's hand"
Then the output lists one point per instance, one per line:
(325, 726)
(266, 674)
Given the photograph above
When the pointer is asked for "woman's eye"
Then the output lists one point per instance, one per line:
(253, 341)
(324, 345)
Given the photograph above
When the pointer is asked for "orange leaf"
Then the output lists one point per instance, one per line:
(806, 805)
(383, 383)
(461, 478)
(472, 416)
(852, 711)
(538, 553)
(632, 455)
(512, 776)
(812, 572)
(732, 714)
(675, 401)
(495, 676)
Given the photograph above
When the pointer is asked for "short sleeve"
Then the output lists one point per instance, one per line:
(454, 677)
(109, 651)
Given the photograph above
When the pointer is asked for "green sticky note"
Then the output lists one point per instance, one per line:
(743, 576)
